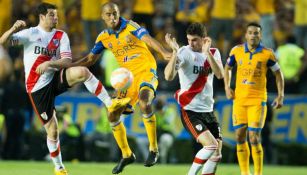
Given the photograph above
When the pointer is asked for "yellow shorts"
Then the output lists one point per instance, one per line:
(145, 79)
(253, 116)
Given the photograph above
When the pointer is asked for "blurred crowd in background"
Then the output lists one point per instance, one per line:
(284, 25)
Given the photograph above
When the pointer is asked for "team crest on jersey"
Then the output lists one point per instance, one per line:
(128, 39)
(44, 116)
(56, 42)
(199, 127)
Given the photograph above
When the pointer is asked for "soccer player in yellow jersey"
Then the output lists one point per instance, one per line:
(128, 42)
(250, 96)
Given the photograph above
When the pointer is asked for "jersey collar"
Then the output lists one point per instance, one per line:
(258, 49)
(123, 25)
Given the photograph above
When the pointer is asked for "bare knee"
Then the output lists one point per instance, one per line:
(52, 129)
(113, 117)
(254, 137)
(77, 74)
(145, 99)
(241, 134)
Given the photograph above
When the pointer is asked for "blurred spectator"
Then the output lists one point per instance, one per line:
(14, 105)
(91, 20)
(165, 130)
(222, 22)
(266, 9)
(143, 11)
(292, 60)
(185, 8)
(71, 136)
(101, 145)
(300, 22)
(5, 15)
(5, 65)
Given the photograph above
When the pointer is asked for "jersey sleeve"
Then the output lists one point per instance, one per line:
(65, 50)
(20, 38)
(217, 57)
(231, 61)
(98, 47)
(272, 62)
(138, 31)
(182, 56)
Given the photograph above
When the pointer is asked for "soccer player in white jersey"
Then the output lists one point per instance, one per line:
(47, 57)
(196, 65)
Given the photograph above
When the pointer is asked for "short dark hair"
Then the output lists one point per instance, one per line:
(42, 9)
(197, 29)
(254, 24)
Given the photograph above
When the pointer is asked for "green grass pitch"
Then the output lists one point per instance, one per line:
(46, 168)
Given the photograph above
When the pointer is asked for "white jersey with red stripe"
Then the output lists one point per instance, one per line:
(196, 79)
(40, 46)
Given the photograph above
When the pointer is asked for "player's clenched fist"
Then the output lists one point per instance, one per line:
(19, 24)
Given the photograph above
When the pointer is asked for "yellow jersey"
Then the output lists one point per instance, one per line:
(265, 7)
(126, 44)
(251, 73)
(224, 9)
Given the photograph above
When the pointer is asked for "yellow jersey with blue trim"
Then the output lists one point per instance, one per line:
(126, 44)
(252, 67)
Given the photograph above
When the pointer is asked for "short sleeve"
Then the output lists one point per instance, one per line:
(138, 31)
(65, 50)
(216, 55)
(272, 62)
(231, 61)
(20, 38)
(182, 55)
(98, 47)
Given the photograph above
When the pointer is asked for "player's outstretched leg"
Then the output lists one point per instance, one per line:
(123, 163)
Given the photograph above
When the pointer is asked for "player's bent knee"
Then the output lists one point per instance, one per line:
(113, 117)
(78, 74)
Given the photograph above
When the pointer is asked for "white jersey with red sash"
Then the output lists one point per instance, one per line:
(40, 46)
(196, 79)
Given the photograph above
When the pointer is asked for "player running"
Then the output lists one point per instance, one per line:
(46, 57)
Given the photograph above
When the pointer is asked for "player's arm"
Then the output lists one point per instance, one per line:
(278, 101)
(227, 78)
(153, 43)
(19, 24)
(87, 61)
(217, 68)
(170, 70)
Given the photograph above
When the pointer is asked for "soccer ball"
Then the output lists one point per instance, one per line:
(121, 79)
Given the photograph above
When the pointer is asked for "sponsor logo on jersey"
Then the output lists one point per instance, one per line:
(245, 81)
(201, 70)
(44, 51)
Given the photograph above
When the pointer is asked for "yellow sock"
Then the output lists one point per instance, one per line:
(257, 154)
(150, 126)
(243, 153)
(119, 132)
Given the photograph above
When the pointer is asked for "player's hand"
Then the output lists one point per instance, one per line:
(206, 45)
(19, 24)
(42, 68)
(171, 42)
(229, 93)
(278, 102)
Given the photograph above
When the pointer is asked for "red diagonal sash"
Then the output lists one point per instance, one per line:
(198, 85)
(53, 45)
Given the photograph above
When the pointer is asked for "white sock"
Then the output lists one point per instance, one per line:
(94, 86)
(201, 157)
(55, 153)
(210, 166)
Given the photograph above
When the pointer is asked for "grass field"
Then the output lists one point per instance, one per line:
(45, 168)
